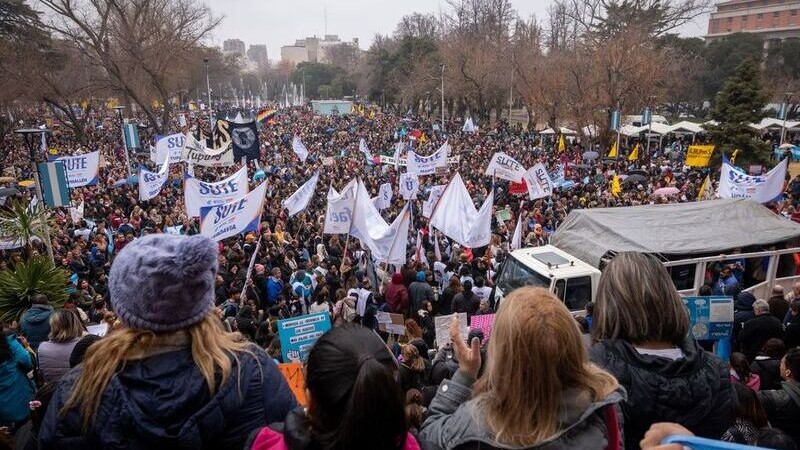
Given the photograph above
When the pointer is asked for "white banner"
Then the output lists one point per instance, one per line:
(516, 239)
(195, 152)
(456, 217)
(239, 216)
(82, 170)
(299, 200)
(339, 211)
(505, 167)
(299, 149)
(762, 189)
(171, 145)
(198, 194)
(539, 182)
(426, 165)
(409, 186)
(150, 183)
(433, 198)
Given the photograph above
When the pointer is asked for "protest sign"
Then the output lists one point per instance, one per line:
(710, 318)
(82, 170)
(293, 373)
(339, 212)
(699, 155)
(503, 215)
(150, 183)
(426, 165)
(391, 323)
(484, 323)
(505, 167)
(409, 185)
(230, 219)
(384, 198)
(761, 188)
(299, 334)
(199, 194)
(442, 325)
(196, 152)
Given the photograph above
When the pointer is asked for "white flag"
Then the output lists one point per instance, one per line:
(456, 217)
(387, 242)
(505, 167)
(384, 198)
(150, 183)
(76, 214)
(433, 198)
(299, 149)
(171, 146)
(762, 188)
(539, 183)
(239, 216)
(468, 127)
(198, 194)
(299, 200)
(409, 185)
(516, 241)
(426, 165)
(339, 211)
(398, 148)
(362, 147)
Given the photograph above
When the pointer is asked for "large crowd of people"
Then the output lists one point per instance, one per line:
(189, 356)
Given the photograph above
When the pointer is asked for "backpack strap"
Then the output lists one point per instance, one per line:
(612, 428)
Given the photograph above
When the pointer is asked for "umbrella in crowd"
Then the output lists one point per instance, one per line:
(667, 191)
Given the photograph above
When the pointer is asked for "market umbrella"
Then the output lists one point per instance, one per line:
(637, 172)
(667, 191)
(590, 155)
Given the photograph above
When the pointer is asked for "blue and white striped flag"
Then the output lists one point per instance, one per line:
(131, 136)
(615, 120)
(53, 179)
(647, 116)
(782, 111)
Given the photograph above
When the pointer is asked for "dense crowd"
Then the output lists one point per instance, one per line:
(189, 357)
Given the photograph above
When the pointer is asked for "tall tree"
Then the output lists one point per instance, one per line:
(740, 103)
(725, 55)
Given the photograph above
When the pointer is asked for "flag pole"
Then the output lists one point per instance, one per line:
(250, 269)
(349, 230)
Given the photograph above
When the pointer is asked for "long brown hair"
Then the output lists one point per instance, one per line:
(212, 351)
(535, 355)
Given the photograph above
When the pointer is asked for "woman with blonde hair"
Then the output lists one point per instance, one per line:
(642, 327)
(66, 329)
(169, 377)
(539, 389)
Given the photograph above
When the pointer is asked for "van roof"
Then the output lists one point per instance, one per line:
(561, 263)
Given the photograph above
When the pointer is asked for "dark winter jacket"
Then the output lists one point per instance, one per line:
(35, 324)
(791, 336)
(769, 371)
(466, 302)
(455, 421)
(415, 379)
(162, 402)
(742, 312)
(418, 292)
(783, 408)
(756, 332)
(294, 434)
(694, 391)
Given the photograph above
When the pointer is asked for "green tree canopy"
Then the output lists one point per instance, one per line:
(725, 55)
(740, 102)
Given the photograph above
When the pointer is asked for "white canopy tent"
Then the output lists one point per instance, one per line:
(687, 127)
(562, 130)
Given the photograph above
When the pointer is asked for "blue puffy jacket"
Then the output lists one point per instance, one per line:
(162, 402)
(16, 390)
(274, 288)
(35, 324)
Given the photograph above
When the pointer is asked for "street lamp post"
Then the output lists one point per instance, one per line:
(124, 144)
(441, 65)
(208, 88)
(785, 110)
(30, 137)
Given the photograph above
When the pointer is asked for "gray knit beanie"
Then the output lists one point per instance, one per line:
(163, 282)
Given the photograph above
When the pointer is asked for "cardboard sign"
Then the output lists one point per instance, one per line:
(442, 324)
(391, 323)
(293, 372)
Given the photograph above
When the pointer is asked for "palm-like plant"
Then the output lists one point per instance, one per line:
(19, 284)
(24, 223)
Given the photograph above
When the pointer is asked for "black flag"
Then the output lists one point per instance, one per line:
(245, 139)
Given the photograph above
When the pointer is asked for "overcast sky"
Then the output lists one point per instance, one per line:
(280, 22)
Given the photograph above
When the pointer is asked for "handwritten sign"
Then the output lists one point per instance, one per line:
(299, 334)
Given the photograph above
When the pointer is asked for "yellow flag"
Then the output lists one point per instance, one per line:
(706, 190)
(353, 108)
(423, 139)
(613, 152)
(562, 145)
(733, 157)
(616, 188)
(371, 114)
(634, 155)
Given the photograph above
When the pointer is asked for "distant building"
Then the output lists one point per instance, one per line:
(311, 49)
(257, 53)
(772, 19)
(234, 46)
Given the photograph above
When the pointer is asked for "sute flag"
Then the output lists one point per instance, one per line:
(239, 216)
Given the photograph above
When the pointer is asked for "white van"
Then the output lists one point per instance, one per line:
(572, 280)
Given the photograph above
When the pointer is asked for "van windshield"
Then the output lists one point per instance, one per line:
(516, 275)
